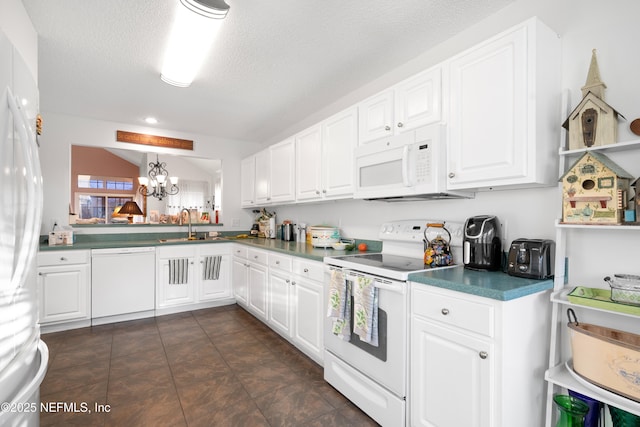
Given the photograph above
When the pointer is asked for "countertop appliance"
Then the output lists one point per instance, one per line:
(23, 355)
(130, 292)
(403, 167)
(482, 246)
(374, 377)
(531, 258)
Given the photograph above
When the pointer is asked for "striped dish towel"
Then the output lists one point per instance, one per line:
(211, 267)
(178, 271)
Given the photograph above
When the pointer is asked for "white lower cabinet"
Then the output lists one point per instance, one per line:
(308, 307)
(280, 294)
(285, 292)
(257, 284)
(177, 292)
(451, 384)
(476, 361)
(213, 285)
(240, 275)
(64, 287)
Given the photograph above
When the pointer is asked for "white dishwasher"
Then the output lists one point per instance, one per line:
(123, 283)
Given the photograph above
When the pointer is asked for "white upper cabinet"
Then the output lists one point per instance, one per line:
(504, 123)
(282, 172)
(324, 164)
(411, 103)
(339, 139)
(308, 167)
(269, 176)
(248, 182)
(262, 177)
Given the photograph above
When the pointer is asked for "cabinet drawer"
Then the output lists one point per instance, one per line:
(240, 251)
(459, 312)
(280, 262)
(257, 256)
(63, 257)
(309, 269)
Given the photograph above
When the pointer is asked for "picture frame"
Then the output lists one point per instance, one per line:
(205, 218)
(154, 217)
(164, 219)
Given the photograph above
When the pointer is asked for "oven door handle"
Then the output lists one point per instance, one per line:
(393, 287)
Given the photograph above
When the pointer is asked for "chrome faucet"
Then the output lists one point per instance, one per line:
(182, 222)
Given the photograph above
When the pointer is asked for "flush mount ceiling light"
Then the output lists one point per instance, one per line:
(196, 24)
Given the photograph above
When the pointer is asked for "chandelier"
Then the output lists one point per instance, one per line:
(156, 184)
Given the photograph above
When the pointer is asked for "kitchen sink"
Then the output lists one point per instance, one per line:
(186, 239)
(176, 239)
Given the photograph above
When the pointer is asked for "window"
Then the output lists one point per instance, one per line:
(99, 207)
(98, 196)
(192, 195)
(108, 183)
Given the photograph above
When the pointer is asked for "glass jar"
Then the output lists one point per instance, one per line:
(572, 411)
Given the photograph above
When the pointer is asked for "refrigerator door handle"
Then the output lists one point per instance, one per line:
(29, 239)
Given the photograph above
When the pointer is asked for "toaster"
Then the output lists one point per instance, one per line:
(531, 258)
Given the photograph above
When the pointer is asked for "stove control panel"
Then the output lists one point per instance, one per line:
(414, 231)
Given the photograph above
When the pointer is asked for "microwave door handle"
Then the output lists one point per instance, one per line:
(405, 166)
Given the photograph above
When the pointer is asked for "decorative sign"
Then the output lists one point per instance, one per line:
(588, 169)
(156, 141)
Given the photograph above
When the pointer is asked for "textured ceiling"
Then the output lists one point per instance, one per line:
(273, 64)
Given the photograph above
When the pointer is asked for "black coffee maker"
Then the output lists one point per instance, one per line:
(482, 244)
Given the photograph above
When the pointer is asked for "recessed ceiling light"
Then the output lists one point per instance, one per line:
(151, 120)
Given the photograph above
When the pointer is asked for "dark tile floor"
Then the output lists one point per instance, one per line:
(214, 367)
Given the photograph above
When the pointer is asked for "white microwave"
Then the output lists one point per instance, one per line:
(403, 167)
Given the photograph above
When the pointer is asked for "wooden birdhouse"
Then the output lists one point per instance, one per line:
(593, 122)
(634, 200)
(595, 191)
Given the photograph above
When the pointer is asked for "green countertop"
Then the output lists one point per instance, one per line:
(105, 241)
(490, 284)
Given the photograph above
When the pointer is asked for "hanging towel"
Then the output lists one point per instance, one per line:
(178, 271)
(365, 310)
(339, 308)
(211, 267)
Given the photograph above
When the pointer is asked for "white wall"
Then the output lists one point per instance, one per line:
(16, 24)
(62, 131)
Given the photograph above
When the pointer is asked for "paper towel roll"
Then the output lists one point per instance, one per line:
(272, 227)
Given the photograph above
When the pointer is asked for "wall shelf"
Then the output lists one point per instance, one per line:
(620, 146)
(558, 376)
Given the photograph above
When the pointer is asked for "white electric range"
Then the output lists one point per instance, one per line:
(375, 377)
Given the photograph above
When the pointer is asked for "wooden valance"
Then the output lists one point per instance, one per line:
(156, 141)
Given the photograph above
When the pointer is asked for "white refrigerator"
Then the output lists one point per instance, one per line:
(23, 355)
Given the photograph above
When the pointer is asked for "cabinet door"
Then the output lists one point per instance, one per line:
(263, 189)
(418, 100)
(280, 302)
(489, 113)
(308, 316)
(375, 116)
(258, 290)
(240, 277)
(308, 164)
(210, 286)
(170, 294)
(450, 378)
(339, 139)
(248, 181)
(282, 171)
(64, 293)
